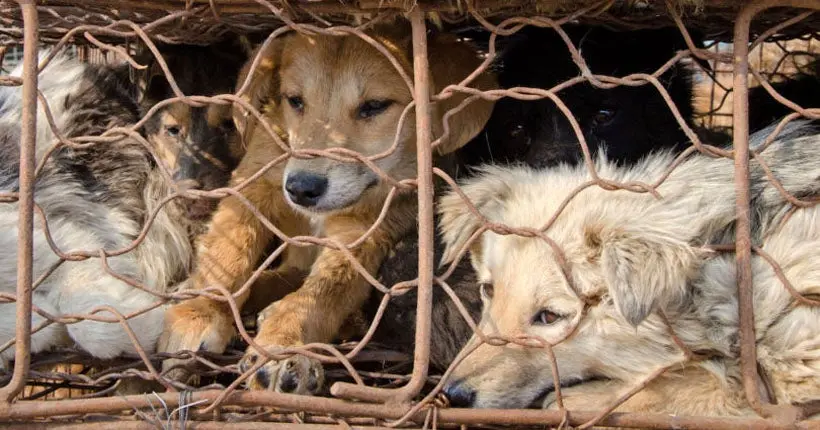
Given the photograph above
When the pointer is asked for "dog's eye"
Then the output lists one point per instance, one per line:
(604, 116)
(517, 130)
(371, 108)
(546, 317)
(227, 125)
(172, 130)
(486, 290)
(297, 103)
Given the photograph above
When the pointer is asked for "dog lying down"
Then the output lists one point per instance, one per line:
(631, 259)
(99, 197)
(93, 198)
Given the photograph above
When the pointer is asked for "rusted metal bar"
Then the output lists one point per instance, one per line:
(28, 410)
(25, 225)
(198, 425)
(755, 393)
(424, 157)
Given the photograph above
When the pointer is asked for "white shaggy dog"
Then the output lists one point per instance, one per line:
(94, 198)
(633, 259)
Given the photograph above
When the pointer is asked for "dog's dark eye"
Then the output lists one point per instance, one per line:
(517, 130)
(297, 103)
(172, 130)
(604, 116)
(486, 290)
(371, 108)
(227, 125)
(546, 317)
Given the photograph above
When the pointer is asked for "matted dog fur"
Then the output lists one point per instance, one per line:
(631, 260)
(93, 198)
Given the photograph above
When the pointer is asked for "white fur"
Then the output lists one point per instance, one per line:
(634, 255)
(80, 287)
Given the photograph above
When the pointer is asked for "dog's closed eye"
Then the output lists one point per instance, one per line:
(371, 108)
(546, 317)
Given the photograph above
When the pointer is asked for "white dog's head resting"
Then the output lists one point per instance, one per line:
(341, 92)
(626, 253)
(617, 262)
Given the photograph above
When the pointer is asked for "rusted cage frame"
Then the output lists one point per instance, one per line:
(397, 405)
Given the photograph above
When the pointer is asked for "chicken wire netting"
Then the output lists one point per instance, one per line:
(392, 388)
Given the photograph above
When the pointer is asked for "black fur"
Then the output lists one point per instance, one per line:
(628, 121)
(803, 89)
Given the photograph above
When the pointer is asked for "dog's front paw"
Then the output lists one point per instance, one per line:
(296, 374)
(198, 324)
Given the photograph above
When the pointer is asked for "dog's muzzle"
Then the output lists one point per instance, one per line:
(305, 189)
(460, 394)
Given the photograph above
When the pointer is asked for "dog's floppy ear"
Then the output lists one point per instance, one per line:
(263, 86)
(642, 270)
(153, 84)
(487, 192)
(451, 61)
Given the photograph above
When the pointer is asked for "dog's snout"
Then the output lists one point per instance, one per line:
(460, 395)
(305, 189)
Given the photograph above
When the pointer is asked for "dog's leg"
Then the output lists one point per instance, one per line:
(50, 336)
(690, 391)
(227, 255)
(318, 310)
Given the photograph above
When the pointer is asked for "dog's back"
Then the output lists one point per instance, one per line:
(94, 197)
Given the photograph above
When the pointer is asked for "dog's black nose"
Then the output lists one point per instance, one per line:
(305, 189)
(460, 395)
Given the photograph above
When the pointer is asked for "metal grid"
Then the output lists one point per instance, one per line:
(385, 407)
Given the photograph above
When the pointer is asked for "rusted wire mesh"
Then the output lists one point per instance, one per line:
(372, 386)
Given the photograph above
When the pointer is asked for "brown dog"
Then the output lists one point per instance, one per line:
(198, 144)
(323, 92)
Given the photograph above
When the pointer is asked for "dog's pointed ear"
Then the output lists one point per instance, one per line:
(262, 90)
(487, 192)
(451, 61)
(643, 270)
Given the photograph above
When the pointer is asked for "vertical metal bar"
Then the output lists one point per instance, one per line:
(26, 201)
(421, 71)
(426, 233)
(743, 244)
(743, 251)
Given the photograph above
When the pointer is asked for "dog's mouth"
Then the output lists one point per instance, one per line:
(339, 203)
(538, 402)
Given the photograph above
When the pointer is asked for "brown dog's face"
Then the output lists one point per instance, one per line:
(621, 259)
(200, 145)
(340, 92)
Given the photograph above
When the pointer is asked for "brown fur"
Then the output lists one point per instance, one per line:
(332, 75)
(199, 145)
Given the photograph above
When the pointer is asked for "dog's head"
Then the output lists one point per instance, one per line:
(341, 92)
(199, 144)
(628, 120)
(623, 258)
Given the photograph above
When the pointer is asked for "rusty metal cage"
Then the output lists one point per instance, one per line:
(89, 396)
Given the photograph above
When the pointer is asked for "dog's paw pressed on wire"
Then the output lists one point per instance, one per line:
(296, 374)
(198, 324)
